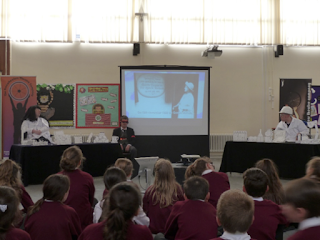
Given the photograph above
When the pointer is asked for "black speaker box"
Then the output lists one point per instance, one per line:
(280, 49)
(136, 49)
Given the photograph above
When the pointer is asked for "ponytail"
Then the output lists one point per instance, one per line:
(116, 226)
(36, 207)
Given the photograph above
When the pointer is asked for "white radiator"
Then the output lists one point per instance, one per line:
(217, 142)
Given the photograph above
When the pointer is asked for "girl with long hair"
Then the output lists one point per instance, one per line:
(81, 194)
(218, 181)
(121, 206)
(9, 215)
(50, 218)
(275, 192)
(160, 197)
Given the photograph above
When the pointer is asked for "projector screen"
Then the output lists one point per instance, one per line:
(166, 100)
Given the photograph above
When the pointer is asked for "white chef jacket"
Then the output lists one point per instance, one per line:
(40, 124)
(296, 126)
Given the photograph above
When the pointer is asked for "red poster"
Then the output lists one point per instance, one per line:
(18, 94)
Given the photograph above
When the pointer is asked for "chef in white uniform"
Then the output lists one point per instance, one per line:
(291, 125)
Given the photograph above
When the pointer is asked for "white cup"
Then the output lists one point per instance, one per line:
(114, 139)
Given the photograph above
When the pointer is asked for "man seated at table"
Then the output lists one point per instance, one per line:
(291, 125)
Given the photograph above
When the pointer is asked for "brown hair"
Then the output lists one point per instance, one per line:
(196, 188)
(10, 175)
(235, 211)
(275, 192)
(54, 188)
(122, 204)
(197, 168)
(304, 193)
(314, 165)
(165, 186)
(71, 158)
(113, 176)
(10, 214)
(125, 164)
(255, 182)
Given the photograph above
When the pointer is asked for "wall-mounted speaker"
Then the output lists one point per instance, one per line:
(279, 51)
(136, 49)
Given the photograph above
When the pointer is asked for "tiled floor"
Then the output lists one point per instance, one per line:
(235, 179)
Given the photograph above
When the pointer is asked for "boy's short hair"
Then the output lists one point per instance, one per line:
(304, 193)
(196, 188)
(235, 211)
(255, 182)
(125, 164)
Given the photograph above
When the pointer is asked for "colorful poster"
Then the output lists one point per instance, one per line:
(296, 93)
(97, 105)
(57, 103)
(18, 94)
(315, 104)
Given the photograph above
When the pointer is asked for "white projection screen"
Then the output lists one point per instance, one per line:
(166, 100)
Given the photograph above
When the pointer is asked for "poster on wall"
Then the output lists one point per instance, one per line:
(97, 105)
(315, 104)
(57, 103)
(18, 94)
(296, 94)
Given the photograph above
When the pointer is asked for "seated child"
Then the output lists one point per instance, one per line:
(267, 214)
(235, 211)
(302, 205)
(9, 214)
(193, 218)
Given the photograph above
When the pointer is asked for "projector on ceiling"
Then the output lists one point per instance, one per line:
(211, 52)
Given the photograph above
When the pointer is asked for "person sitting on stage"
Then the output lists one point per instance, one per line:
(218, 181)
(126, 137)
(267, 214)
(302, 197)
(34, 126)
(10, 175)
(193, 218)
(81, 194)
(291, 125)
(235, 212)
(10, 215)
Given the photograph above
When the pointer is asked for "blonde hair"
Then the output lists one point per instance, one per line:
(125, 164)
(314, 164)
(165, 187)
(71, 158)
(235, 211)
(10, 175)
(197, 168)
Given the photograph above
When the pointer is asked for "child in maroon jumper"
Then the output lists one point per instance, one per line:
(193, 218)
(82, 188)
(235, 211)
(49, 218)
(302, 198)
(9, 214)
(267, 214)
(121, 206)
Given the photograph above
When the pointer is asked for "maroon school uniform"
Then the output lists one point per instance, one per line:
(81, 195)
(53, 221)
(218, 184)
(17, 234)
(26, 200)
(191, 219)
(267, 217)
(158, 216)
(312, 233)
(224, 239)
(134, 232)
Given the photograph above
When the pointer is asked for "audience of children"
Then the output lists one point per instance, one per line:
(121, 206)
(235, 213)
(218, 181)
(267, 214)
(82, 188)
(160, 197)
(10, 215)
(193, 218)
(301, 204)
(50, 218)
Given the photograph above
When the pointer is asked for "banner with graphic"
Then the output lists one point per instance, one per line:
(57, 103)
(315, 104)
(296, 93)
(18, 94)
(97, 105)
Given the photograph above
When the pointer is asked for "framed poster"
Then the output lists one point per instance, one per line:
(315, 104)
(97, 105)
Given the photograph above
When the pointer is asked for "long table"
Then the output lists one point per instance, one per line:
(38, 162)
(291, 158)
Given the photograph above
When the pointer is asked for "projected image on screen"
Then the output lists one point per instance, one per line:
(167, 102)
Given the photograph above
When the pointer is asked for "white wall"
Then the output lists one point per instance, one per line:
(240, 78)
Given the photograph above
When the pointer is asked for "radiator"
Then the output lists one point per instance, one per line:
(217, 142)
